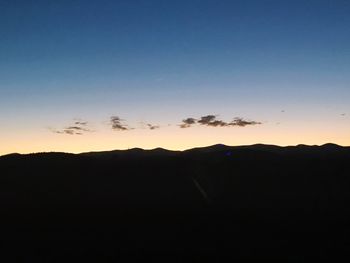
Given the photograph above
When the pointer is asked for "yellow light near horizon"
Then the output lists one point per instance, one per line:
(172, 138)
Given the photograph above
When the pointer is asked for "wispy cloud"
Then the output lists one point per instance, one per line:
(82, 123)
(78, 128)
(152, 127)
(118, 124)
(149, 126)
(242, 123)
(212, 121)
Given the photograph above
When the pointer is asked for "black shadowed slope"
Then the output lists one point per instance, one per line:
(288, 204)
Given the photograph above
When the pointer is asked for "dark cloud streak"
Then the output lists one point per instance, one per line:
(242, 123)
(212, 121)
(117, 124)
(78, 128)
(82, 123)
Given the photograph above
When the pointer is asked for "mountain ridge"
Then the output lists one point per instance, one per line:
(210, 148)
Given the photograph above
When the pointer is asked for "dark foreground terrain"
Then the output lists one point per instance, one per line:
(215, 204)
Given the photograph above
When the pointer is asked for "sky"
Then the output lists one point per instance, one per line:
(82, 75)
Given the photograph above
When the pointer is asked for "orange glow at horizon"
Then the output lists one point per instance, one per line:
(173, 138)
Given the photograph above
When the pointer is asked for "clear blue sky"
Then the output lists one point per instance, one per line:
(163, 61)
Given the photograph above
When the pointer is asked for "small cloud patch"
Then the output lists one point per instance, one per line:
(78, 128)
(212, 121)
(152, 127)
(117, 124)
(242, 123)
(186, 123)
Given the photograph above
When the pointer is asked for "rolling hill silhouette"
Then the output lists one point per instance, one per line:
(289, 204)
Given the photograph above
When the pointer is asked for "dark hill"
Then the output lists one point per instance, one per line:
(217, 203)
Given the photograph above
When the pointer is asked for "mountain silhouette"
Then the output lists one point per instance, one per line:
(258, 202)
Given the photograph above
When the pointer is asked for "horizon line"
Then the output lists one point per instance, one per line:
(187, 149)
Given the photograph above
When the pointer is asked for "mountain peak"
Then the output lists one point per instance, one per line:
(331, 146)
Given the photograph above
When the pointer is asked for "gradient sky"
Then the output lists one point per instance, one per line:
(284, 64)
